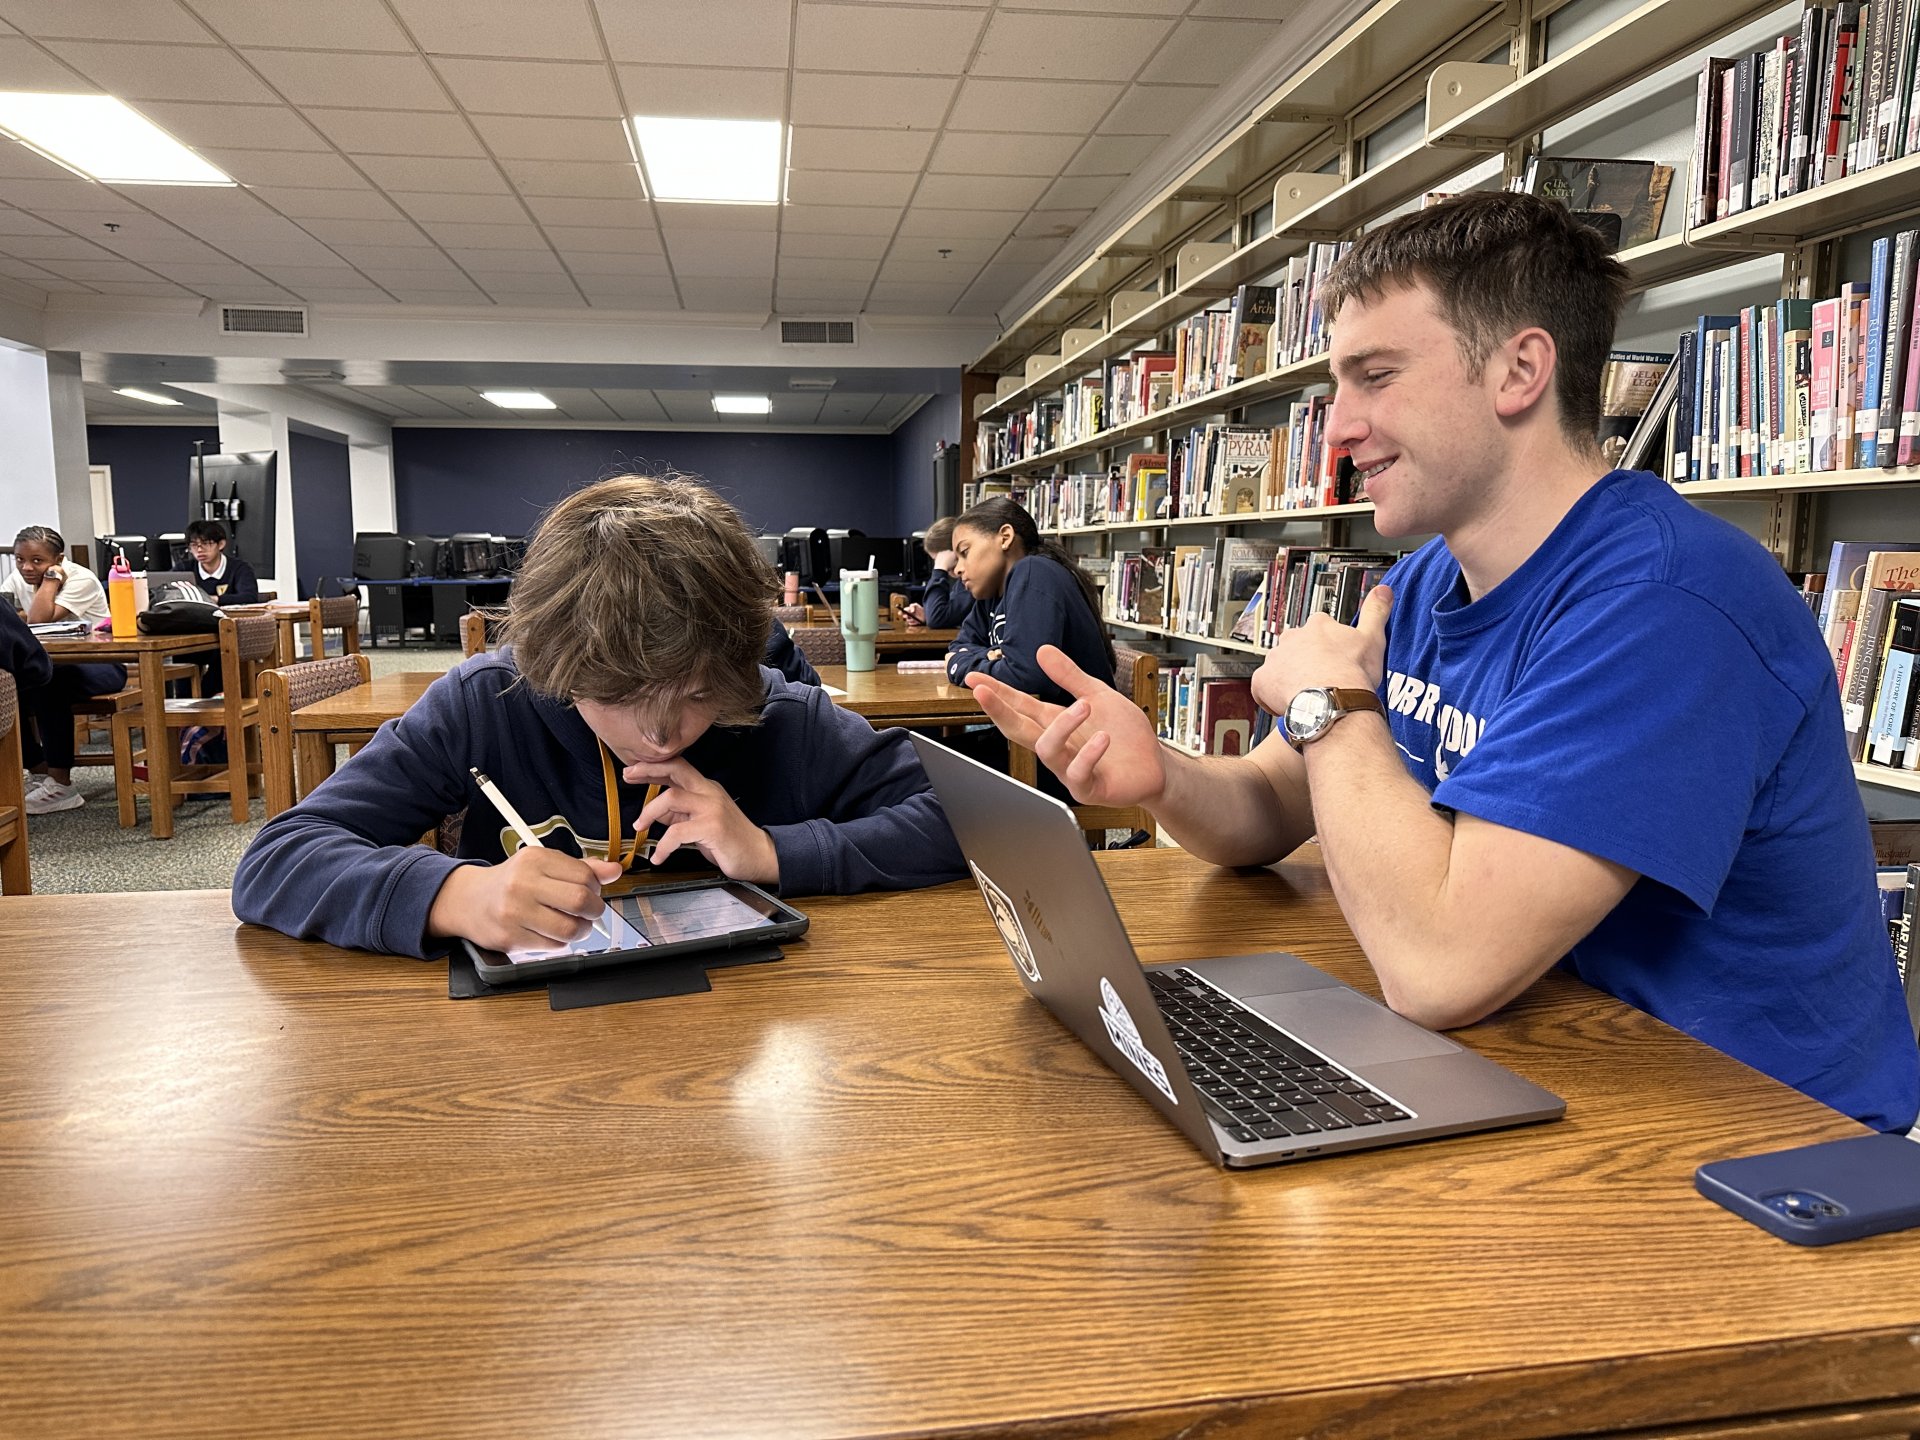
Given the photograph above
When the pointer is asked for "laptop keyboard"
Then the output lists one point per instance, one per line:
(1255, 1081)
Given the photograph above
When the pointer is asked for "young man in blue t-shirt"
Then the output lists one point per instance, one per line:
(1587, 725)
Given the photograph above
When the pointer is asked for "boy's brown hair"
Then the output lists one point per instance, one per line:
(939, 535)
(1496, 264)
(644, 590)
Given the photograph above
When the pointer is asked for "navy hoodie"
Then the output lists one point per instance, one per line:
(1042, 605)
(21, 653)
(946, 603)
(848, 807)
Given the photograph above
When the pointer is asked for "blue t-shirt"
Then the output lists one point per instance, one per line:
(1649, 688)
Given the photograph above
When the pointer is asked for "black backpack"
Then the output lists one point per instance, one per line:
(180, 617)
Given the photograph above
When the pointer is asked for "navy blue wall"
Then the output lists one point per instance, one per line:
(322, 511)
(150, 467)
(913, 442)
(501, 479)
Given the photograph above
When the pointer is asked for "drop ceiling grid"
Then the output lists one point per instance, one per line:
(467, 78)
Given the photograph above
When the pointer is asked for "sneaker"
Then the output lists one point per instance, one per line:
(53, 796)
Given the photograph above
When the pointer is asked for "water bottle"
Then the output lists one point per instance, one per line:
(860, 614)
(122, 601)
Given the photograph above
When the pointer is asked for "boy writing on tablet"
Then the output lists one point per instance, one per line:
(627, 699)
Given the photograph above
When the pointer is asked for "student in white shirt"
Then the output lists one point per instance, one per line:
(46, 588)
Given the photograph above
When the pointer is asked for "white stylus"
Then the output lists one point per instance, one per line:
(520, 827)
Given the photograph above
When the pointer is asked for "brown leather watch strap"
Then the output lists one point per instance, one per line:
(1354, 699)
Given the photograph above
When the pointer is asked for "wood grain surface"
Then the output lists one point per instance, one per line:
(366, 707)
(890, 694)
(257, 1187)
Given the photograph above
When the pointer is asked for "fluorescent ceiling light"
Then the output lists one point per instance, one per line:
(103, 139)
(743, 404)
(734, 162)
(519, 399)
(152, 397)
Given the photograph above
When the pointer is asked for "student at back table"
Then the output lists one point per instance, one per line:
(629, 694)
(227, 579)
(1588, 725)
(946, 603)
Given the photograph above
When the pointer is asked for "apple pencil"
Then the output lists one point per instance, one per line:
(520, 827)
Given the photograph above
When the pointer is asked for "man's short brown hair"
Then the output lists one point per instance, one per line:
(939, 535)
(644, 590)
(1497, 264)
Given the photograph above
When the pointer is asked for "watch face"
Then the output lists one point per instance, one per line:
(1308, 712)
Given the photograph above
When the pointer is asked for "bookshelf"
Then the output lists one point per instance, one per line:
(1887, 778)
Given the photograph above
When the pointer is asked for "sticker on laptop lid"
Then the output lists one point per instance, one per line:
(1007, 921)
(1126, 1039)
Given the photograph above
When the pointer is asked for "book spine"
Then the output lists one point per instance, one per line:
(1886, 734)
(1907, 448)
(1681, 436)
(1872, 86)
(1878, 296)
(1840, 91)
(1706, 153)
(1870, 633)
(1894, 359)
(1826, 317)
(1744, 388)
(1740, 145)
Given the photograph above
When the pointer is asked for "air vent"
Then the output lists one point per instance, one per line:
(263, 320)
(816, 332)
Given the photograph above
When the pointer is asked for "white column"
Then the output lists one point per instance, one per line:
(371, 469)
(31, 493)
(67, 418)
(244, 427)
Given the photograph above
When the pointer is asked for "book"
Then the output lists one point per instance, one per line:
(1240, 469)
(1240, 571)
(1626, 385)
(1253, 318)
(1886, 575)
(1895, 340)
(1892, 713)
(1708, 151)
(1635, 190)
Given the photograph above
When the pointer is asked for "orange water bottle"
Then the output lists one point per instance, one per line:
(121, 599)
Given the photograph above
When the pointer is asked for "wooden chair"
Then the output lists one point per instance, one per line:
(477, 630)
(335, 612)
(94, 714)
(247, 645)
(790, 615)
(1134, 673)
(16, 878)
(821, 644)
(283, 691)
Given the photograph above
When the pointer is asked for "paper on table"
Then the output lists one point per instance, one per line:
(833, 689)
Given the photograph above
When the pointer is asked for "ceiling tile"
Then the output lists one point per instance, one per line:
(268, 254)
(102, 20)
(966, 224)
(1051, 224)
(163, 72)
(52, 247)
(373, 82)
(438, 295)
(802, 268)
(481, 264)
(367, 232)
(750, 33)
(880, 102)
(516, 300)
(839, 220)
(748, 219)
(1036, 106)
(300, 24)
(959, 252)
(441, 176)
(25, 66)
(550, 30)
(590, 269)
(634, 295)
(298, 275)
(1247, 9)
(639, 238)
(152, 287)
(303, 204)
(825, 147)
(1112, 155)
(45, 196)
(396, 132)
(577, 211)
(540, 137)
(478, 209)
(524, 283)
(796, 296)
(710, 253)
(634, 404)
(1077, 192)
(584, 179)
(18, 222)
(94, 271)
(943, 273)
(1154, 109)
(963, 192)
(1205, 52)
(979, 154)
(848, 187)
(748, 293)
(20, 163)
(241, 127)
(871, 38)
(23, 269)
(288, 167)
(195, 205)
(149, 251)
(532, 87)
(688, 406)
(1027, 252)
(705, 93)
(1132, 7)
(906, 297)
(831, 247)
(485, 237)
(65, 287)
(1068, 47)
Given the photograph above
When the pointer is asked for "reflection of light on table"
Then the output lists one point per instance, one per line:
(779, 1087)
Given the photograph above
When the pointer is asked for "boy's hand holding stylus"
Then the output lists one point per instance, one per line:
(534, 899)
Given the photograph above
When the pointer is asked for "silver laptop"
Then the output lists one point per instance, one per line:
(1257, 1058)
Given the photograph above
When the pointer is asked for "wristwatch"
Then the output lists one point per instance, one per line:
(1311, 713)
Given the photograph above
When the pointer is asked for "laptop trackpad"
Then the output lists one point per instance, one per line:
(1348, 1027)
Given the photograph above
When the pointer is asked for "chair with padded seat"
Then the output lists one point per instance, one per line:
(248, 645)
(16, 876)
(332, 612)
(821, 644)
(284, 690)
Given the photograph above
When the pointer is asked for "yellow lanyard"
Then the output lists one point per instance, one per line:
(617, 850)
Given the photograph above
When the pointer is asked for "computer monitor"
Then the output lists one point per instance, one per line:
(169, 552)
(105, 547)
(240, 492)
(381, 556)
(473, 555)
(426, 555)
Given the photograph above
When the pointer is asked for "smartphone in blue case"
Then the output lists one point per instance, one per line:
(1822, 1194)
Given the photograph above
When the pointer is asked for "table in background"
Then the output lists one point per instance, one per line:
(256, 1187)
(889, 696)
(146, 654)
(898, 641)
(349, 717)
(434, 605)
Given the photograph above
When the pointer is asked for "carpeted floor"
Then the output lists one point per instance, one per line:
(85, 851)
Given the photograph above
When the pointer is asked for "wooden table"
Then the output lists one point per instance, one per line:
(351, 717)
(887, 696)
(255, 1187)
(146, 654)
(898, 640)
